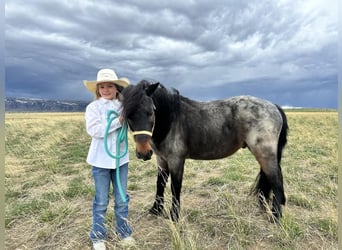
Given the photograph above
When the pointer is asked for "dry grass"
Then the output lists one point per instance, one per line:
(49, 191)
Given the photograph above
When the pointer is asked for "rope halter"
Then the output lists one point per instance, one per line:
(143, 132)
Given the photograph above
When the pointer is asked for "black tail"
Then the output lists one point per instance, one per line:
(281, 144)
(283, 134)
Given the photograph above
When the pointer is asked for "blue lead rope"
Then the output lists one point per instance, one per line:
(121, 137)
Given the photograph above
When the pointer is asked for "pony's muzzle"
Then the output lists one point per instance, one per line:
(145, 157)
(143, 147)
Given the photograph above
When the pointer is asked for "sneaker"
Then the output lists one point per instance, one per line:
(128, 242)
(99, 245)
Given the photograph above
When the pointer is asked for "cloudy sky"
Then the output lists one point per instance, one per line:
(284, 51)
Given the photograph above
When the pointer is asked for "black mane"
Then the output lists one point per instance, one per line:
(166, 101)
(132, 97)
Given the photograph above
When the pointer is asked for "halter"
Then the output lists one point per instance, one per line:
(145, 132)
(142, 132)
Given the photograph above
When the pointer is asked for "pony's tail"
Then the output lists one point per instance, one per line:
(262, 186)
(283, 134)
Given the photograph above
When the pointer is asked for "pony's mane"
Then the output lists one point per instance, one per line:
(132, 96)
(164, 99)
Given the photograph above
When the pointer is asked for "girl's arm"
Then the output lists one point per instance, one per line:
(96, 127)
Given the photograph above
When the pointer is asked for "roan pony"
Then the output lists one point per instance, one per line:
(175, 128)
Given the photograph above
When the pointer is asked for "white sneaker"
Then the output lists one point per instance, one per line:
(99, 245)
(128, 242)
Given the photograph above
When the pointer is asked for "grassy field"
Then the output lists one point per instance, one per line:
(49, 191)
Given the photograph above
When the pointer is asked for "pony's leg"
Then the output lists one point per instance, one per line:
(176, 172)
(278, 195)
(262, 189)
(271, 178)
(163, 175)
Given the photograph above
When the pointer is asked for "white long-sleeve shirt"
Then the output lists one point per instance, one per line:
(96, 123)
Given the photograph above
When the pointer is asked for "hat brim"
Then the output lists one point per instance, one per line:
(91, 85)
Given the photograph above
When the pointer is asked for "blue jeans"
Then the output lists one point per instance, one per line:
(102, 179)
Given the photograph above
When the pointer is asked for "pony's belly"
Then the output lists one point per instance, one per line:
(212, 155)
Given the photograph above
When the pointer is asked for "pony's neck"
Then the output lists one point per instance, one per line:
(167, 108)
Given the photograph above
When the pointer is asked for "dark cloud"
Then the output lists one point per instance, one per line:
(283, 50)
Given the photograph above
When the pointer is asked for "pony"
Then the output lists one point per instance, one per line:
(176, 128)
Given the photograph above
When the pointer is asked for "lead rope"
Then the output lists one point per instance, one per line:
(121, 137)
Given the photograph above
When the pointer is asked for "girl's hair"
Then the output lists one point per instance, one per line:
(97, 92)
(118, 94)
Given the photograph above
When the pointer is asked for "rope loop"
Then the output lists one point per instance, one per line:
(121, 138)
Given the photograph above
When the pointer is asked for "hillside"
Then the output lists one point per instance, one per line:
(41, 105)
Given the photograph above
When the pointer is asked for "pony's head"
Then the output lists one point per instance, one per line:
(138, 111)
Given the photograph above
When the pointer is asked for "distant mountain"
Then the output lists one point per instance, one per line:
(41, 105)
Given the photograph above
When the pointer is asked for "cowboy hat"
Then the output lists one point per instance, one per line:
(105, 75)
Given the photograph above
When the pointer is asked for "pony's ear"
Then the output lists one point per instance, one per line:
(150, 89)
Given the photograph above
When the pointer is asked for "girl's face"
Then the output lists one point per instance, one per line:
(107, 90)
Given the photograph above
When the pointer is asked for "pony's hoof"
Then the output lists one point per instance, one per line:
(275, 216)
(154, 211)
(157, 212)
(174, 215)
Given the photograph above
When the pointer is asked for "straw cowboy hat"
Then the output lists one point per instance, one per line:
(105, 75)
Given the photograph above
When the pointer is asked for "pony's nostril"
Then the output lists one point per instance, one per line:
(138, 155)
(146, 157)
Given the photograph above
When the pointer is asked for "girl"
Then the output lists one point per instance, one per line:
(107, 90)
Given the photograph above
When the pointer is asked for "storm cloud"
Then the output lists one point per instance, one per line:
(284, 51)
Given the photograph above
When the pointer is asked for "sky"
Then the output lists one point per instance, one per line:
(284, 51)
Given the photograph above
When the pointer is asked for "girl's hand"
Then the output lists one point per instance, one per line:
(121, 119)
